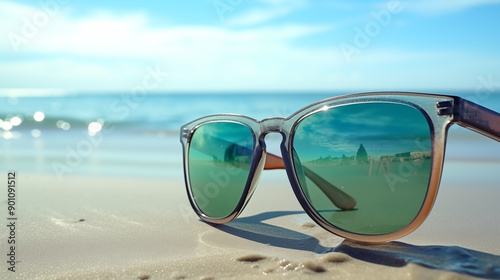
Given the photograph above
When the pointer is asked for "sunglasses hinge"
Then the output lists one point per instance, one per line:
(185, 133)
(444, 108)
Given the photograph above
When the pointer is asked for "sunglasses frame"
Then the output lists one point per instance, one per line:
(441, 111)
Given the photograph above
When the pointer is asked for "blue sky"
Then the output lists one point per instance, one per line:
(243, 45)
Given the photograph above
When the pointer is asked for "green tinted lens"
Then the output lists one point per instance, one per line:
(378, 153)
(220, 155)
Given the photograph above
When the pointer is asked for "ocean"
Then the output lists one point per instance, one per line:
(139, 137)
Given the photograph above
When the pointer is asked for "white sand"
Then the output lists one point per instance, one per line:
(106, 228)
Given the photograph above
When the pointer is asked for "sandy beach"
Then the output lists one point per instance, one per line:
(86, 227)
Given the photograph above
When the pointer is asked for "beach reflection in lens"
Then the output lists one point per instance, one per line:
(220, 155)
(378, 153)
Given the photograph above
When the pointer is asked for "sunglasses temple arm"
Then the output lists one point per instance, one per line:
(336, 195)
(477, 118)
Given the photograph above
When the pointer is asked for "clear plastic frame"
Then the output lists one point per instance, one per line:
(243, 152)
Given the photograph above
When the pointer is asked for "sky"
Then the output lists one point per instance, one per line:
(341, 130)
(243, 45)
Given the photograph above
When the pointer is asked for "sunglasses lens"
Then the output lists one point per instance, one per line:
(220, 155)
(377, 153)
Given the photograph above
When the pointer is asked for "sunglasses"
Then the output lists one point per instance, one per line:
(366, 166)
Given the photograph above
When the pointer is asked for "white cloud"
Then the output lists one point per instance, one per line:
(107, 51)
(108, 35)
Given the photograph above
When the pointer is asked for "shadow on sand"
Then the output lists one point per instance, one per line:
(396, 254)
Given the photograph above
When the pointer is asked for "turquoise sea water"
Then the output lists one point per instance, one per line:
(139, 136)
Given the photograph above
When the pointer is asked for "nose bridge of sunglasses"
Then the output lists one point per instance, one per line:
(272, 133)
(272, 125)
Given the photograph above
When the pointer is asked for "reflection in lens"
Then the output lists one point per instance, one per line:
(378, 153)
(220, 155)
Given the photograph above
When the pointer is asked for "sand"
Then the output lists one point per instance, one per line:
(98, 227)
